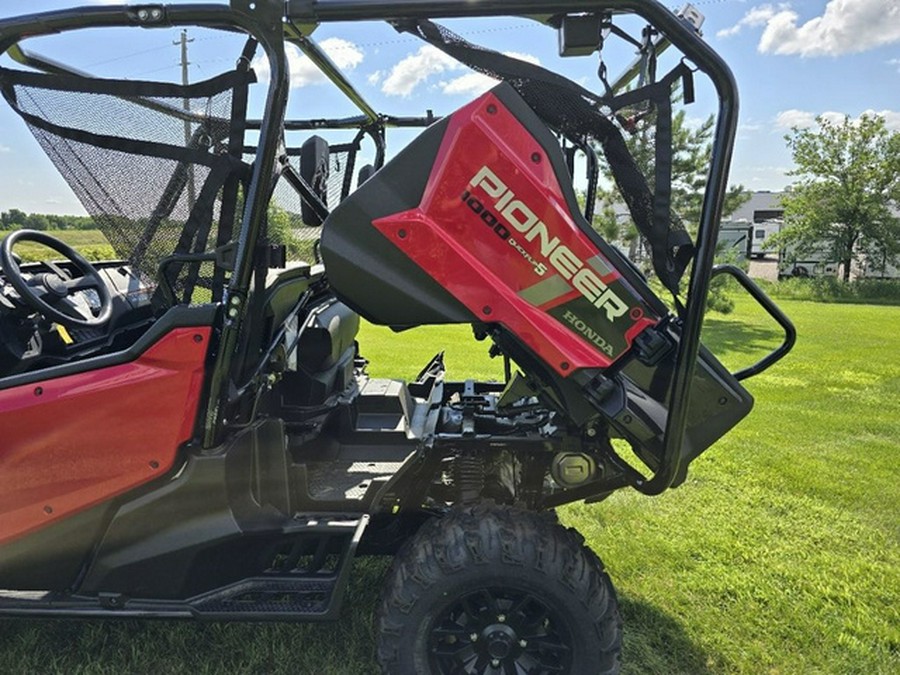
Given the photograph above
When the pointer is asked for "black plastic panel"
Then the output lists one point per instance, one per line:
(368, 271)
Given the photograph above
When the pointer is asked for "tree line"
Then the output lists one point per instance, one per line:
(14, 219)
(845, 198)
(847, 194)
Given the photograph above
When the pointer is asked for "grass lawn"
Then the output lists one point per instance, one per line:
(76, 238)
(91, 243)
(780, 554)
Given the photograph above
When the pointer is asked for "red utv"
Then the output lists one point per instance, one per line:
(188, 431)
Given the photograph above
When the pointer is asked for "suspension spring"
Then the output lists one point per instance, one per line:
(468, 476)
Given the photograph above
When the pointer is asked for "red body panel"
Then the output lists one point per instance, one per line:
(495, 230)
(73, 442)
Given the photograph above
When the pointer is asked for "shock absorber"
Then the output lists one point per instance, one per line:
(468, 476)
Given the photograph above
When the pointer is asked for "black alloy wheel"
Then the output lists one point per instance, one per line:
(495, 590)
(499, 630)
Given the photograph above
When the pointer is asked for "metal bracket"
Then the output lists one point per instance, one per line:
(268, 13)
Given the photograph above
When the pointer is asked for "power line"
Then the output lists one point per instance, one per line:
(116, 59)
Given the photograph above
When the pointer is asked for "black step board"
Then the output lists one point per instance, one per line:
(273, 597)
(266, 598)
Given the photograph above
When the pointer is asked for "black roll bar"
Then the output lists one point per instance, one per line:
(295, 36)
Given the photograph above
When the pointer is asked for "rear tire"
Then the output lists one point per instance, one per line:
(497, 590)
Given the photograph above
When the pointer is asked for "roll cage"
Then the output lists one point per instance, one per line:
(274, 23)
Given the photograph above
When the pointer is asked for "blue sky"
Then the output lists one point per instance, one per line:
(792, 61)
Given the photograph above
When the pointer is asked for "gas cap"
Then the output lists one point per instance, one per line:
(571, 469)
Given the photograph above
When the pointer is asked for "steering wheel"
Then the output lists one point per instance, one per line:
(47, 292)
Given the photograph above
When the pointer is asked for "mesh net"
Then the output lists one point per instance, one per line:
(341, 162)
(286, 223)
(149, 161)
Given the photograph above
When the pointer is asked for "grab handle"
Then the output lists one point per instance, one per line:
(790, 333)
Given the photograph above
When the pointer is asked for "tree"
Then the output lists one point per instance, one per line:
(13, 219)
(37, 221)
(847, 196)
(691, 153)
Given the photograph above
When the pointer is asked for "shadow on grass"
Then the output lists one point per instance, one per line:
(346, 647)
(656, 643)
(736, 337)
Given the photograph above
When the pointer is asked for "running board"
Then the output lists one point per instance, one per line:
(277, 597)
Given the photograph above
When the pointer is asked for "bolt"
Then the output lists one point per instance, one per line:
(495, 663)
(492, 109)
(486, 310)
(536, 158)
(501, 618)
(473, 637)
(198, 338)
(523, 643)
(156, 14)
(592, 432)
(402, 234)
(48, 510)
(143, 14)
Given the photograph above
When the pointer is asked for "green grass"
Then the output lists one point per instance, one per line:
(830, 289)
(780, 554)
(76, 238)
(90, 243)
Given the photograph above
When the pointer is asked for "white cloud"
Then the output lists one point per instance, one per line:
(475, 84)
(417, 68)
(833, 117)
(845, 27)
(344, 54)
(758, 16)
(790, 119)
(891, 118)
(412, 71)
(375, 78)
(802, 119)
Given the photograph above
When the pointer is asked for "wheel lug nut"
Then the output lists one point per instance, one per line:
(501, 618)
(523, 643)
(495, 662)
(474, 637)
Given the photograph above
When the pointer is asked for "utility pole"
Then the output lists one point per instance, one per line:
(185, 80)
